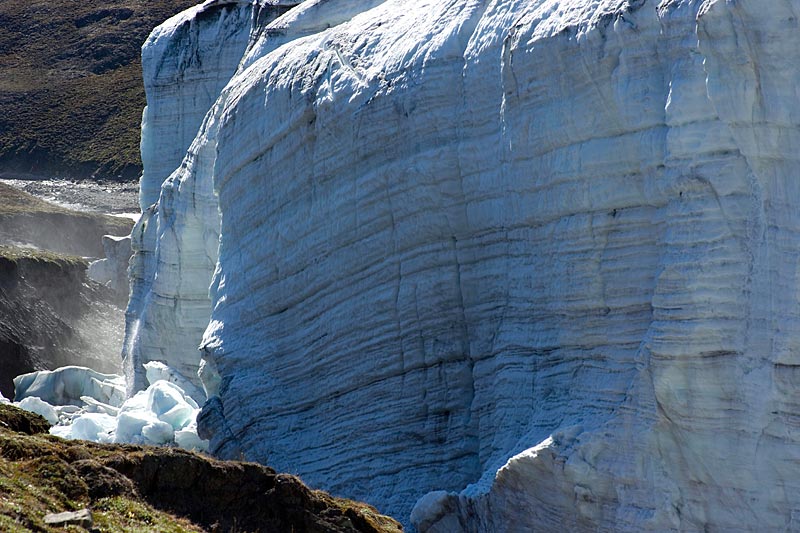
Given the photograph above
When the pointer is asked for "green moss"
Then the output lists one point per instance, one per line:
(25, 500)
(130, 516)
(30, 489)
(360, 515)
(11, 525)
(17, 254)
(37, 478)
(14, 448)
(59, 480)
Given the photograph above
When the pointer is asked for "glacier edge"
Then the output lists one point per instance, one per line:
(481, 248)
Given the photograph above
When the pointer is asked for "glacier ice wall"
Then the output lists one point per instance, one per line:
(186, 62)
(538, 257)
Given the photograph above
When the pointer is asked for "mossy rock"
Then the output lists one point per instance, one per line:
(59, 477)
(21, 421)
(102, 481)
(14, 448)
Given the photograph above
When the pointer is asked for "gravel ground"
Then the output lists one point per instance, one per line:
(101, 197)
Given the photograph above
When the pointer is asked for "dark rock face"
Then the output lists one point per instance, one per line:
(34, 297)
(15, 359)
(48, 308)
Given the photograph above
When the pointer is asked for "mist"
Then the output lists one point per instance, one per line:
(51, 313)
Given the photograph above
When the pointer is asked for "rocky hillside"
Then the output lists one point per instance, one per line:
(71, 93)
(132, 488)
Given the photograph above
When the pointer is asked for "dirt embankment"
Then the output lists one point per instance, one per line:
(133, 488)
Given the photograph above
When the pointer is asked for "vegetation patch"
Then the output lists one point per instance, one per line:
(16, 254)
(141, 488)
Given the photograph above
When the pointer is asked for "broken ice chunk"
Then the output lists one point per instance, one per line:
(158, 432)
(93, 409)
(157, 371)
(169, 404)
(34, 404)
(96, 427)
(93, 406)
(188, 439)
(130, 425)
(66, 385)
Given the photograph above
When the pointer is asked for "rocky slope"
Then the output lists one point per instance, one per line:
(130, 488)
(71, 94)
(537, 254)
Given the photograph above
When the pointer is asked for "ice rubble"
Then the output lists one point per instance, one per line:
(88, 405)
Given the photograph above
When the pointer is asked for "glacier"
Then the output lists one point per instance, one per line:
(490, 265)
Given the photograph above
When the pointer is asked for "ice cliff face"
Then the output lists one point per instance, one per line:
(537, 256)
(186, 62)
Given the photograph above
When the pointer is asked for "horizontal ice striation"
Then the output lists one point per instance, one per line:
(537, 256)
(705, 438)
(186, 63)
